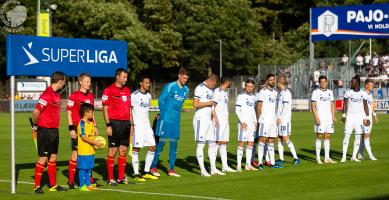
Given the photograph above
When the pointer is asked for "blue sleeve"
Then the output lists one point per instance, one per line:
(82, 127)
(187, 91)
(162, 99)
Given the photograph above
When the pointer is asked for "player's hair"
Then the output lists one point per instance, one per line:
(249, 81)
(369, 80)
(57, 76)
(357, 79)
(120, 71)
(83, 75)
(269, 76)
(86, 107)
(225, 79)
(143, 77)
(322, 77)
(183, 71)
(213, 77)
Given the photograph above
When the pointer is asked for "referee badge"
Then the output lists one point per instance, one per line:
(124, 98)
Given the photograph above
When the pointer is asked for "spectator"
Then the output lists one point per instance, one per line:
(367, 59)
(344, 60)
(359, 64)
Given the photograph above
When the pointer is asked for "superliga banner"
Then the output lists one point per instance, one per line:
(41, 56)
(350, 22)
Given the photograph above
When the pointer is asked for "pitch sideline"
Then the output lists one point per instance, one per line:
(138, 192)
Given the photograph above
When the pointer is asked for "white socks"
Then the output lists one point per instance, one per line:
(292, 149)
(149, 160)
(212, 152)
(318, 149)
(249, 153)
(326, 149)
(135, 162)
(261, 149)
(239, 155)
(223, 155)
(271, 153)
(357, 142)
(281, 150)
(345, 145)
(368, 147)
(200, 156)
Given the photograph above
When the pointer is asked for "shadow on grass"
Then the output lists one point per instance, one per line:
(336, 155)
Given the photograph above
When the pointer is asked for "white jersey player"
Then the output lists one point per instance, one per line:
(323, 109)
(266, 110)
(143, 135)
(365, 141)
(245, 110)
(222, 129)
(355, 116)
(284, 118)
(203, 124)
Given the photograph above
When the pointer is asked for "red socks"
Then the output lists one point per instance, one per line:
(72, 171)
(92, 180)
(110, 163)
(121, 167)
(52, 172)
(39, 168)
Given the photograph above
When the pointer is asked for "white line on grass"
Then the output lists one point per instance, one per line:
(138, 192)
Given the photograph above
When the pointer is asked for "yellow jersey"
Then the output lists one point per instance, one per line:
(87, 129)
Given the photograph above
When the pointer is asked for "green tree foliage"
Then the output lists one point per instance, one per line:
(165, 34)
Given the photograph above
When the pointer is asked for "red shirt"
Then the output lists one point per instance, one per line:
(118, 102)
(74, 104)
(50, 106)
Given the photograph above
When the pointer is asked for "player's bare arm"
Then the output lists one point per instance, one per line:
(345, 104)
(197, 104)
(73, 133)
(106, 119)
(214, 116)
(366, 121)
(35, 117)
(333, 112)
(314, 111)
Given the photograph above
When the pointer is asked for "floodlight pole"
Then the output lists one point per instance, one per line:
(12, 106)
(311, 44)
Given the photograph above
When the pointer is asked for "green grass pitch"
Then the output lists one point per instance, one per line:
(366, 180)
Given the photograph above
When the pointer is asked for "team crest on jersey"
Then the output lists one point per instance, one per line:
(209, 96)
(178, 97)
(124, 98)
(104, 98)
(43, 102)
(272, 100)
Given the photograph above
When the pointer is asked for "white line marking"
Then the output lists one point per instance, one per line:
(138, 192)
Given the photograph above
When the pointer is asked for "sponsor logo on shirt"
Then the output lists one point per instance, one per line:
(124, 98)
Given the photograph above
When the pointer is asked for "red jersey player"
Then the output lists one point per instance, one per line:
(117, 116)
(83, 95)
(46, 117)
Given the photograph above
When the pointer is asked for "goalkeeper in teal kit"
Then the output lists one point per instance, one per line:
(168, 126)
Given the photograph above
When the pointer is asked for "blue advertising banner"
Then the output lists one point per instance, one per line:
(25, 105)
(350, 22)
(41, 56)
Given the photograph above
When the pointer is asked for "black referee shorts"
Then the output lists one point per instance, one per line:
(120, 133)
(47, 141)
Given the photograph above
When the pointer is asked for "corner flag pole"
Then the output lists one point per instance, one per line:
(12, 106)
